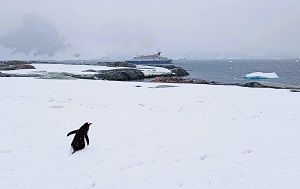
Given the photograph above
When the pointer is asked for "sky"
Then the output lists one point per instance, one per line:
(92, 29)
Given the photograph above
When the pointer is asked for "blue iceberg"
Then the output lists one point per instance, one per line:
(261, 75)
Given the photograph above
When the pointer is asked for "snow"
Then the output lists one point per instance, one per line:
(144, 136)
(44, 68)
(261, 75)
(150, 70)
(79, 69)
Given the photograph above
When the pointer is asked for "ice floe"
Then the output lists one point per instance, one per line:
(261, 75)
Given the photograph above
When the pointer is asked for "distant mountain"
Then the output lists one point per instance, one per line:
(115, 57)
(184, 57)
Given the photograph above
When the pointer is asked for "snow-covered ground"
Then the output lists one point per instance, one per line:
(44, 68)
(81, 69)
(146, 137)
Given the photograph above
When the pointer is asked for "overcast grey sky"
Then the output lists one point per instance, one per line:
(97, 28)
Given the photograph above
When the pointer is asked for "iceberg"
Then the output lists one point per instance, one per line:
(261, 75)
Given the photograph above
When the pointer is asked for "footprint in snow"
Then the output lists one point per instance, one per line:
(247, 151)
(178, 159)
(140, 163)
(92, 185)
(125, 167)
(203, 157)
(122, 168)
(100, 161)
(56, 106)
(6, 151)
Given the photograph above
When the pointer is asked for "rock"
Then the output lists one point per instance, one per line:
(116, 64)
(113, 75)
(261, 84)
(95, 76)
(15, 65)
(162, 86)
(254, 85)
(264, 84)
(57, 75)
(121, 74)
(89, 70)
(295, 90)
(3, 75)
(18, 75)
(163, 79)
(278, 85)
(176, 71)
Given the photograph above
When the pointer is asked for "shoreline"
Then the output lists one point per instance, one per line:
(119, 71)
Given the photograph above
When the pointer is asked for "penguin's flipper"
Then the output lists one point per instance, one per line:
(72, 132)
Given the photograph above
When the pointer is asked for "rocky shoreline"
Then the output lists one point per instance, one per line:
(127, 72)
(123, 72)
(254, 84)
(15, 65)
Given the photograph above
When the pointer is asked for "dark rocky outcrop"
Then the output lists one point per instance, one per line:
(261, 84)
(3, 75)
(295, 90)
(176, 71)
(15, 65)
(254, 85)
(163, 79)
(121, 74)
(113, 75)
(179, 72)
(116, 64)
(265, 84)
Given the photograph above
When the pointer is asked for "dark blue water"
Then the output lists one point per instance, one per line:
(232, 71)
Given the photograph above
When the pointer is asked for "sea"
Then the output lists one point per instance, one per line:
(232, 71)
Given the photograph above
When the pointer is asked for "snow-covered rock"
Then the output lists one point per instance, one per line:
(60, 71)
(153, 71)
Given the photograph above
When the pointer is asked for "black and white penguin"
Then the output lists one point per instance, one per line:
(78, 142)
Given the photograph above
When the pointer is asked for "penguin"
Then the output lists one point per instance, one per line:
(78, 142)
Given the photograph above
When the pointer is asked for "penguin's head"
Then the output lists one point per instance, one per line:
(86, 126)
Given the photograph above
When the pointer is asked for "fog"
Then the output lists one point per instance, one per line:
(92, 29)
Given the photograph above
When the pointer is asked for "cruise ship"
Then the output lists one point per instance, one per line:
(150, 59)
